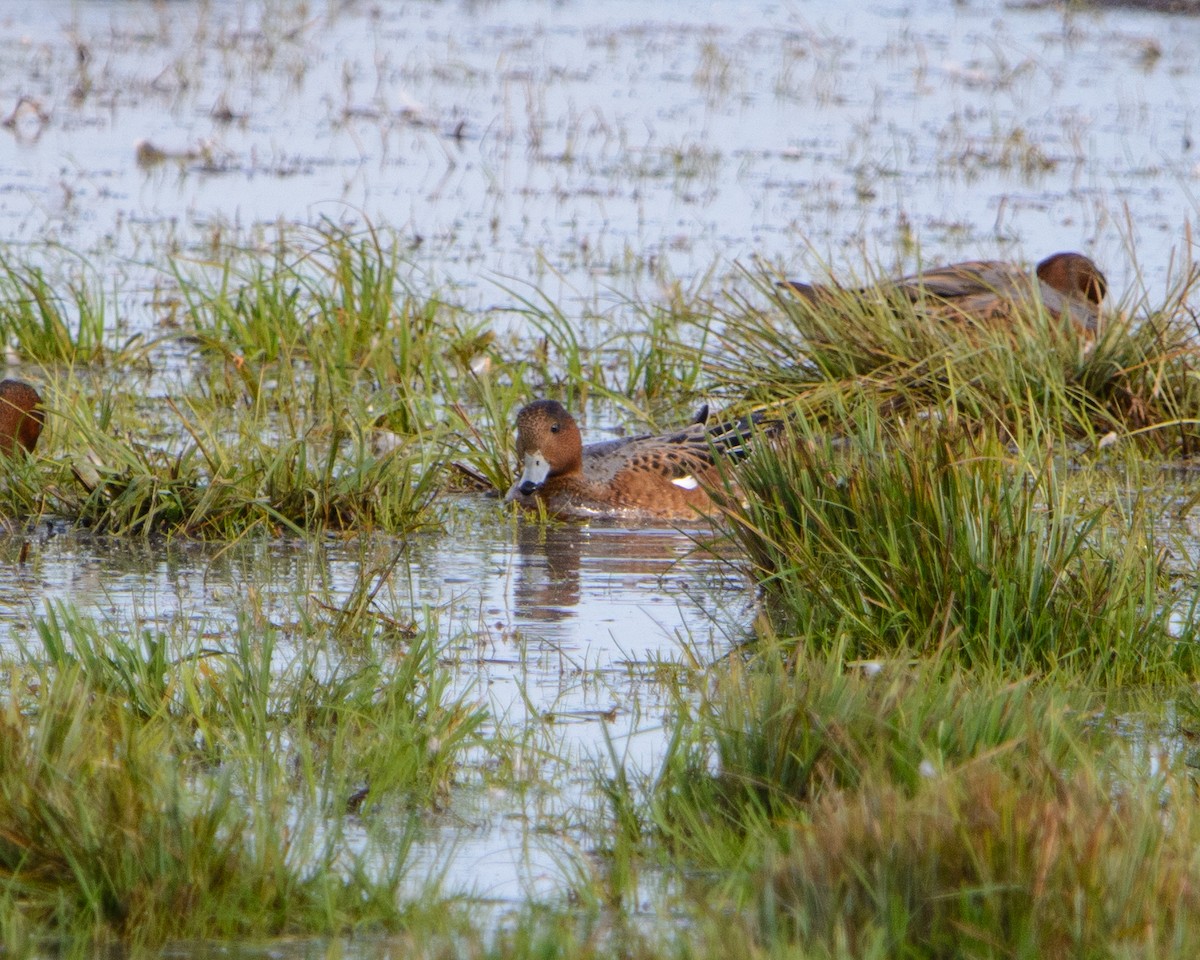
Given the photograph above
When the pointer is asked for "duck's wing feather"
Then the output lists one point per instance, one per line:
(952, 282)
(676, 456)
(972, 278)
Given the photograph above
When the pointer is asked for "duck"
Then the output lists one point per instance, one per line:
(1068, 285)
(667, 476)
(21, 416)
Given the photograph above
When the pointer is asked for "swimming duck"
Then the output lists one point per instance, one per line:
(21, 416)
(1067, 285)
(632, 477)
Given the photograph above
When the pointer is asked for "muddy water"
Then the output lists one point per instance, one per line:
(583, 148)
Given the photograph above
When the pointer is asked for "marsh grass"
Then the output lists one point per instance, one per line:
(923, 540)
(204, 469)
(564, 352)
(327, 393)
(782, 730)
(654, 367)
(316, 349)
(153, 787)
(339, 302)
(48, 324)
(485, 441)
(309, 356)
(912, 747)
(1135, 383)
(632, 355)
(979, 863)
(912, 808)
(22, 487)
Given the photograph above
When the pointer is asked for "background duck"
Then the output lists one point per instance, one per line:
(21, 416)
(1068, 285)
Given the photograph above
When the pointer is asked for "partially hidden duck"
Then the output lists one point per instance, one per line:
(665, 476)
(21, 416)
(1068, 286)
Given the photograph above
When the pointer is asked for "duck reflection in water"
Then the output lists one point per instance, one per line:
(547, 582)
(563, 567)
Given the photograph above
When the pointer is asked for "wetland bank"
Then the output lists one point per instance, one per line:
(277, 677)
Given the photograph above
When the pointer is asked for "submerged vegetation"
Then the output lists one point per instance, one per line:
(967, 578)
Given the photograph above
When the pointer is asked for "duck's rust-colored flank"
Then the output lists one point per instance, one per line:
(648, 476)
(1068, 286)
(21, 416)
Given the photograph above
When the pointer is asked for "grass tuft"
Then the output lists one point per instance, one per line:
(915, 809)
(155, 789)
(1136, 383)
(923, 541)
(46, 324)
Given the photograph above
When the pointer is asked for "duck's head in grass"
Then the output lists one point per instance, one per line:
(21, 417)
(1074, 275)
(667, 476)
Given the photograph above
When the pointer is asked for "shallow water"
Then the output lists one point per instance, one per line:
(592, 150)
(604, 142)
(558, 627)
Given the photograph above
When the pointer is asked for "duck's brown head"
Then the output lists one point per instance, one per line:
(548, 444)
(1073, 275)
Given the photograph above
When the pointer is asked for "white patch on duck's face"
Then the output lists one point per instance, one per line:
(686, 483)
(535, 470)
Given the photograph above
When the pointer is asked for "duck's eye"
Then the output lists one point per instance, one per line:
(554, 428)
